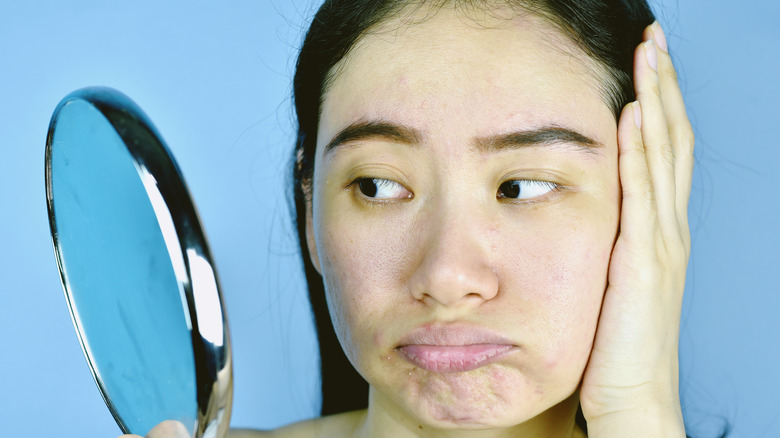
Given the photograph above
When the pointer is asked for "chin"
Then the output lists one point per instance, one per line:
(490, 398)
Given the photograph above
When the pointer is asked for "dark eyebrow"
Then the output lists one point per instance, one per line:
(364, 130)
(547, 135)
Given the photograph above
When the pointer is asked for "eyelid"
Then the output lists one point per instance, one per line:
(379, 171)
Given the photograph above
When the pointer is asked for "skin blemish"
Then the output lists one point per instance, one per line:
(387, 267)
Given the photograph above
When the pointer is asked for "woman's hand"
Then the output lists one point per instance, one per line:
(630, 386)
(166, 429)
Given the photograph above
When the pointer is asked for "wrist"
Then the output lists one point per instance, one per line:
(632, 387)
(656, 416)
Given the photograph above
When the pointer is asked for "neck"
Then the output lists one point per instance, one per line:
(385, 419)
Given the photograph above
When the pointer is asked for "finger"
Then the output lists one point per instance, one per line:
(655, 137)
(638, 205)
(169, 429)
(680, 130)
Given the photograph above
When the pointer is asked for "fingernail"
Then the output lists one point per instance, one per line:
(660, 38)
(637, 114)
(652, 55)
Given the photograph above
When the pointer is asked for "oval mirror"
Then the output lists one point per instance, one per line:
(137, 273)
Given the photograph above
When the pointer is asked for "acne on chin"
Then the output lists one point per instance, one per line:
(493, 396)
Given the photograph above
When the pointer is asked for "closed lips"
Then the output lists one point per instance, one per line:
(453, 348)
(453, 358)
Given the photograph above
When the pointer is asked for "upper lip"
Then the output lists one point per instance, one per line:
(452, 334)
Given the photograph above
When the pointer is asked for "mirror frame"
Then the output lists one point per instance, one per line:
(187, 248)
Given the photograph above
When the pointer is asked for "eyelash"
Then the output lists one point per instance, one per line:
(380, 183)
(548, 186)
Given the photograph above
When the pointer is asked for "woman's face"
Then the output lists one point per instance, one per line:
(465, 204)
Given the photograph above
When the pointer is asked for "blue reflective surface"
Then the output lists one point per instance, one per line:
(123, 290)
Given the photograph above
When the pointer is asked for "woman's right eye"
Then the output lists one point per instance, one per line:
(378, 188)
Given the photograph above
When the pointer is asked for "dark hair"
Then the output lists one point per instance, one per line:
(608, 31)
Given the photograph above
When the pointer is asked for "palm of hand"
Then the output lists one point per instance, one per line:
(633, 364)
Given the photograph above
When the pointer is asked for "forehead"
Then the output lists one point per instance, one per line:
(465, 72)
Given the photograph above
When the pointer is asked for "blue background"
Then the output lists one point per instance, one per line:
(215, 79)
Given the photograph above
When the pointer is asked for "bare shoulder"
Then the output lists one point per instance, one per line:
(339, 426)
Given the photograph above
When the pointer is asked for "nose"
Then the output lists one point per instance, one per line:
(455, 265)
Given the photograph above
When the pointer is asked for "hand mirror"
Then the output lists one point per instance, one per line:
(137, 273)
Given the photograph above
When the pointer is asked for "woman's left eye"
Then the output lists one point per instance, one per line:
(378, 188)
(524, 189)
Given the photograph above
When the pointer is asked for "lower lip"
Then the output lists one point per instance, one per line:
(453, 358)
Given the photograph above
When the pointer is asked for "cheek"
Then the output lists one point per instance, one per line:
(553, 274)
(363, 267)
(560, 278)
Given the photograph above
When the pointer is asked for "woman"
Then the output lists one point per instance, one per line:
(498, 234)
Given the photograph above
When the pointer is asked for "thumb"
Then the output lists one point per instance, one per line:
(169, 429)
(166, 429)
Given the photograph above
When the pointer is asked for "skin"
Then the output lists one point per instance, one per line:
(444, 248)
(532, 270)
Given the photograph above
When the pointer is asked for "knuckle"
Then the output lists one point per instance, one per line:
(686, 138)
(674, 252)
(641, 191)
(636, 147)
(677, 255)
(683, 145)
(653, 91)
(668, 74)
(667, 155)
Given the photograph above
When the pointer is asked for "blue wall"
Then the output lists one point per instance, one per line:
(215, 81)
